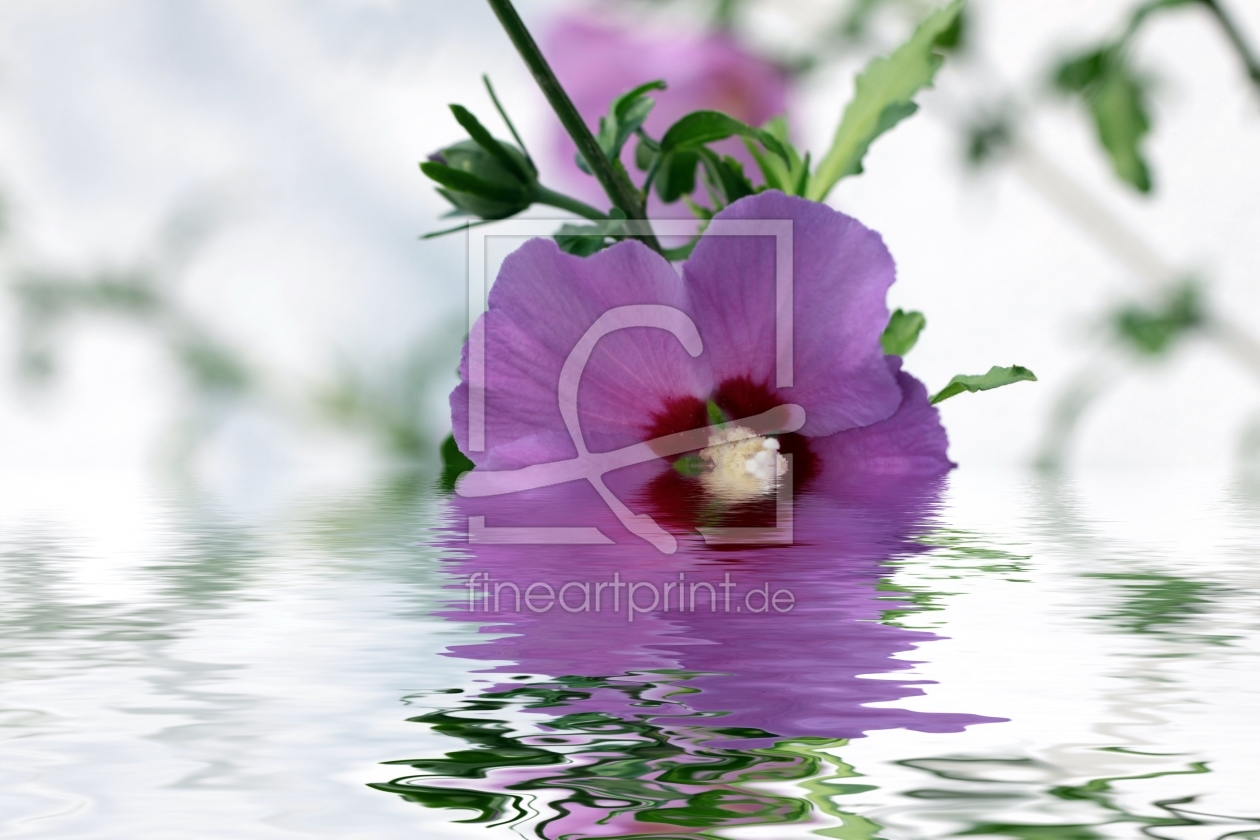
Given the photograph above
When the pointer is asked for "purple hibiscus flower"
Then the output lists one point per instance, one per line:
(863, 416)
(598, 62)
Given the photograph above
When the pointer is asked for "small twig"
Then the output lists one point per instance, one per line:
(1236, 38)
(613, 179)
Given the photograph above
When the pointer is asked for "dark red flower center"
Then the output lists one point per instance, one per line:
(680, 501)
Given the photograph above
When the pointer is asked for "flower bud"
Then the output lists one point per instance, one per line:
(493, 191)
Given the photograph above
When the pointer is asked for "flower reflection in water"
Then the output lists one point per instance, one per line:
(674, 720)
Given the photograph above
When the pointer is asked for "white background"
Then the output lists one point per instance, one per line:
(307, 119)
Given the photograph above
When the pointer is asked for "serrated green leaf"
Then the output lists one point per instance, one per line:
(995, 378)
(902, 332)
(454, 464)
(884, 96)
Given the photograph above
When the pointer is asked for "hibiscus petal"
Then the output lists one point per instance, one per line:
(841, 274)
(540, 306)
(912, 442)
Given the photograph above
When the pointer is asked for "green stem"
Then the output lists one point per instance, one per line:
(613, 179)
(551, 198)
(1235, 36)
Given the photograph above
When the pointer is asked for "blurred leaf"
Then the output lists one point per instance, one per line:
(644, 154)
(454, 464)
(1158, 603)
(213, 367)
(884, 97)
(582, 240)
(1154, 331)
(902, 332)
(995, 378)
(986, 138)
(1079, 73)
(954, 38)
(1118, 107)
(1116, 99)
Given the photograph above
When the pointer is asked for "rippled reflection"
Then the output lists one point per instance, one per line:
(670, 682)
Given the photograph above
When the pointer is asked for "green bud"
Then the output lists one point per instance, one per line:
(480, 183)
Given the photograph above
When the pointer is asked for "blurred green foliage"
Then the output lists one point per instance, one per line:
(1154, 330)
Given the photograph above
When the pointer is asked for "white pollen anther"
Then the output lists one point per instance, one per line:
(741, 464)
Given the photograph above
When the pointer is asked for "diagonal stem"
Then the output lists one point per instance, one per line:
(1235, 36)
(612, 178)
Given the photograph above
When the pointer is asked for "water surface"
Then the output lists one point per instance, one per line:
(1004, 656)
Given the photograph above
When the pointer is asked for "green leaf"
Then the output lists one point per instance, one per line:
(995, 378)
(789, 176)
(644, 154)
(691, 465)
(773, 171)
(483, 138)
(699, 128)
(582, 240)
(1079, 73)
(626, 115)
(1118, 106)
(1116, 99)
(454, 464)
(902, 332)
(676, 176)
(717, 417)
(1154, 331)
(726, 175)
(884, 95)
